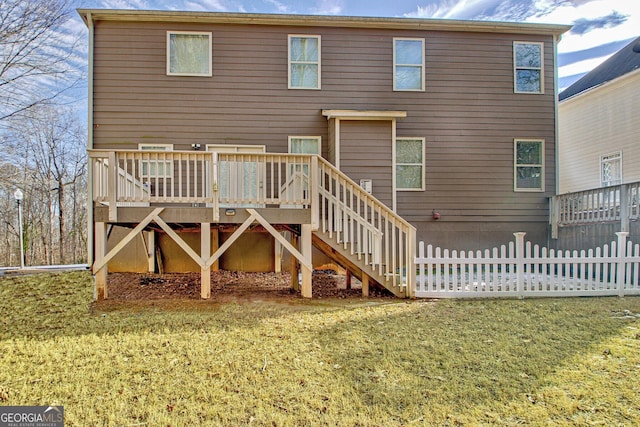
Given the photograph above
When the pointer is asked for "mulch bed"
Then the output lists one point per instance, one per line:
(230, 285)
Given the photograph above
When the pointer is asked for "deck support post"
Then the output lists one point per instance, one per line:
(277, 263)
(365, 284)
(100, 276)
(295, 265)
(348, 279)
(306, 251)
(215, 244)
(205, 252)
(151, 251)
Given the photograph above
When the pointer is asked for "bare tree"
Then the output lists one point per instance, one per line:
(47, 155)
(37, 55)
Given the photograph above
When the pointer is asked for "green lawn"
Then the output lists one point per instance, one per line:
(347, 362)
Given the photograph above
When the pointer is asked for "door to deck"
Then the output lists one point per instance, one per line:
(253, 174)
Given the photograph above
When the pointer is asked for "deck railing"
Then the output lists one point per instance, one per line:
(618, 203)
(129, 178)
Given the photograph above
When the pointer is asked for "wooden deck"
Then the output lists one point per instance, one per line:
(172, 190)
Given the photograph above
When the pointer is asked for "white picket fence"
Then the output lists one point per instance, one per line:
(525, 270)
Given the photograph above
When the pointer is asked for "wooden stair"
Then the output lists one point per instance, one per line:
(356, 265)
(360, 233)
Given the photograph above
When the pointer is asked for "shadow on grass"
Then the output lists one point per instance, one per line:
(46, 306)
(295, 363)
(459, 361)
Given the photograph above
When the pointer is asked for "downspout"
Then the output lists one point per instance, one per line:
(90, 213)
(556, 39)
(553, 219)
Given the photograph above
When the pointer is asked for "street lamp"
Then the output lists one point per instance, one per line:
(19, 196)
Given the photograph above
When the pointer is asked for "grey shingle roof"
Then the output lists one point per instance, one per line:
(622, 62)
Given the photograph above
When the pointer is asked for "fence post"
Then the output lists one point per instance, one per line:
(520, 263)
(622, 255)
(554, 215)
(624, 207)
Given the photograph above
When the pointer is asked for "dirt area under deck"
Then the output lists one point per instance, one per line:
(231, 286)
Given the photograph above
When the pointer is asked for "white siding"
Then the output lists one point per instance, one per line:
(601, 121)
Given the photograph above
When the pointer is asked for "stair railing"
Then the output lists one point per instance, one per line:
(380, 239)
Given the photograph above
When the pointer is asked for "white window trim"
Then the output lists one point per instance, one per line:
(226, 148)
(318, 138)
(209, 52)
(156, 148)
(422, 66)
(309, 36)
(395, 161)
(608, 157)
(516, 165)
(516, 68)
(149, 147)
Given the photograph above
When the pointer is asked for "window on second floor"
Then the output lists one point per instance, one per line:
(304, 62)
(410, 164)
(528, 67)
(611, 169)
(408, 64)
(188, 53)
(528, 165)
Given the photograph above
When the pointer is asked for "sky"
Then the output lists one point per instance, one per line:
(600, 27)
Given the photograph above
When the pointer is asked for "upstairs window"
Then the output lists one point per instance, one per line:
(611, 169)
(528, 70)
(188, 53)
(528, 165)
(410, 164)
(304, 62)
(408, 64)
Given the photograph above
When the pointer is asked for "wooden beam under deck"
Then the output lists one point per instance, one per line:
(199, 215)
(133, 217)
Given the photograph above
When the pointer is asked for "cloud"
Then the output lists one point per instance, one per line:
(454, 9)
(584, 25)
(279, 6)
(124, 4)
(205, 6)
(497, 10)
(328, 7)
(494, 10)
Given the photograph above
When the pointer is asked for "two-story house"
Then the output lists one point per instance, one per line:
(356, 136)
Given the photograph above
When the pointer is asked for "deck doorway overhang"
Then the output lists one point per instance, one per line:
(362, 145)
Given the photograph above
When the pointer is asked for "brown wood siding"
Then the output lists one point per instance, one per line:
(468, 113)
(366, 153)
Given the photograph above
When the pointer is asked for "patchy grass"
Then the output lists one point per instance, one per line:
(329, 362)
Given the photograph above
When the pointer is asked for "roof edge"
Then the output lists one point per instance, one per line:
(322, 21)
(605, 84)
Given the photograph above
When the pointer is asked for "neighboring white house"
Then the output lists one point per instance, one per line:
(599, 125)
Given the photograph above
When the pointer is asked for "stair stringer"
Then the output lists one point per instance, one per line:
(343, 257)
